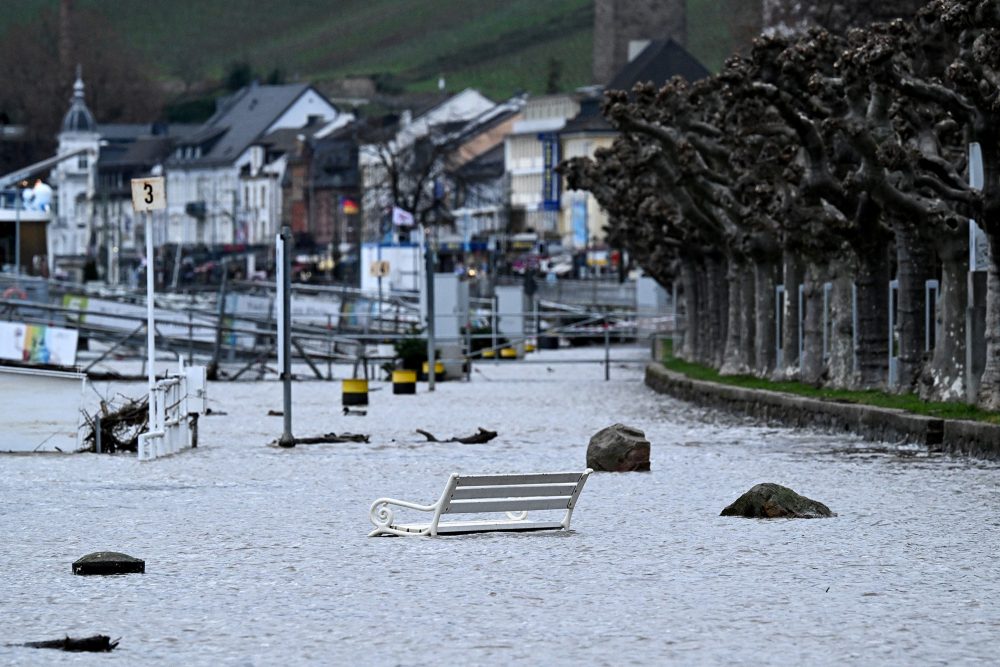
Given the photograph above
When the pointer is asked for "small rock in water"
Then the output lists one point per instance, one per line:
(618, 448)
(109, 562)
(771, 501)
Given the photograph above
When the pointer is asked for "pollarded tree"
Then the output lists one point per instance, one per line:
(909, 158)
(790, 75)
(969, 92)
(795, 16)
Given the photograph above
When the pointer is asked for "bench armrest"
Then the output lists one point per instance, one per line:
(381, 513)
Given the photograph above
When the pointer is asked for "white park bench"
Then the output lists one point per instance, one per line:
(513, 495)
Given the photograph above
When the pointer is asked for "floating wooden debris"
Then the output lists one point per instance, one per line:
(117, 431)
(329, 438)
(95, 644)
(474, 439)
(275, 413)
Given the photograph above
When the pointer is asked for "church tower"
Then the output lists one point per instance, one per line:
(75, 178)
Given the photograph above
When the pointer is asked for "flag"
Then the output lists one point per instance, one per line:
(348, 206)
(401, 217)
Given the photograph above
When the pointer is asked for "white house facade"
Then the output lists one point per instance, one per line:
(221, 187)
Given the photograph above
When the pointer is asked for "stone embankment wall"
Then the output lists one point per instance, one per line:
(951, 435)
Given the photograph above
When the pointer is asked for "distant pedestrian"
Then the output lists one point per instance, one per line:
(530, 286)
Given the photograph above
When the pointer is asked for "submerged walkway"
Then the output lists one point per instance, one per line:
(257, 555)
(954, 436)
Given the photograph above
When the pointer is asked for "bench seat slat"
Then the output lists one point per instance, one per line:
(505, 505)
(509, 480)
(518, 491)
(459, 527)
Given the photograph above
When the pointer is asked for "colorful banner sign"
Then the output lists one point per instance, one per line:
(38, 344)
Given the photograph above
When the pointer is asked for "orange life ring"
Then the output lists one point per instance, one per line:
(15, 293)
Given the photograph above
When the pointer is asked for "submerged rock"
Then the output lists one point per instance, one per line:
(770, 501)
(618, 448)
(108, 562)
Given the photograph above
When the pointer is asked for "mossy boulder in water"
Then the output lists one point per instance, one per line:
(618, 448)
(771, 501)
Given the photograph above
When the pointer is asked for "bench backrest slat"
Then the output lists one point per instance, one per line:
(511, 480)
(505, 505)
(515, 491)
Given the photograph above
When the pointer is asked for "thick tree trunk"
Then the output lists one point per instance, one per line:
(748, 318)
(739, 354)
(840, 364)
(718, 293)
(811, 365)
(944, 377)
(914, 267)
(792, 272)
(706, 306)
(765, 279)
(873, 321)
(689, 282)
(731, 362)
(989, 384)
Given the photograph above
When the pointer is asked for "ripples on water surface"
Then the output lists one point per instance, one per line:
(257, 556)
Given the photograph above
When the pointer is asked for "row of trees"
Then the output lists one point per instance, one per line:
(820, 157)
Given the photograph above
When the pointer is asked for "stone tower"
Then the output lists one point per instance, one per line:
(621, 23)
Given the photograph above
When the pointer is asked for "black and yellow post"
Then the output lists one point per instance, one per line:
(354, 392)
(508, 353)
(404, 382)
(438, 370)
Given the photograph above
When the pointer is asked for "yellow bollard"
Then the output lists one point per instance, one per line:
(404, 382)
(438, 370)
(508, 353)
(354, 392)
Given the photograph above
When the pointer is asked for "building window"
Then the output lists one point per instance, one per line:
(81, 161)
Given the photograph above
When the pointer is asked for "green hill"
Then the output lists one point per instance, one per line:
(498, 46)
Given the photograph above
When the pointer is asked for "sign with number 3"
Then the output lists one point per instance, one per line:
(148, 194)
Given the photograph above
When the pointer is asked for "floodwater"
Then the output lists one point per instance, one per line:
(259, 556)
